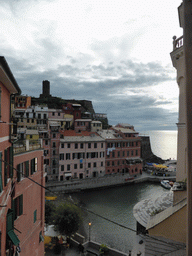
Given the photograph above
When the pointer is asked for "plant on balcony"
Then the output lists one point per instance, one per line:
(103, 250)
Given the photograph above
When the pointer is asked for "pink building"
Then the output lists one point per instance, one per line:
(20, 201)
(82, 155)
(82, 125)
(123, 151)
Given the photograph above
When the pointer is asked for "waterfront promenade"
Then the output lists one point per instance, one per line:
(103, 182)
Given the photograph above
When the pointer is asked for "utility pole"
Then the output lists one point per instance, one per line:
(187, 35)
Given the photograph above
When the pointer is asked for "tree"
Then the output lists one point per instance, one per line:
(67, 219)
(49, 212)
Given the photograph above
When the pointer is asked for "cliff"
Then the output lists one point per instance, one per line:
(146, 152)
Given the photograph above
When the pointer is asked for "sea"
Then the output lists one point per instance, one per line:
(163, 143)
(116, 204)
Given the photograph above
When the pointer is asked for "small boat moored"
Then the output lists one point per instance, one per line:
(50, 198)
(165, 184)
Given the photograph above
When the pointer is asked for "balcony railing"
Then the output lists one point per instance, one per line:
(177, 42)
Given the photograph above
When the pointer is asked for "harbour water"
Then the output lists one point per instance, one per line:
(117, 203)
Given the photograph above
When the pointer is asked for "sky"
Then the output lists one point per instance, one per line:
(115, 53)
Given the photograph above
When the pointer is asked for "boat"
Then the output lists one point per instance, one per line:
(165, 184)
(50, 198)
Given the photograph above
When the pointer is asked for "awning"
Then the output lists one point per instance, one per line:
(13, 237)
(68, 174)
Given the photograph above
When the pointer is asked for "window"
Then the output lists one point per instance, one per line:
(76, 145)
(61, 156)
(39, 116)
(81, 145)
(68, 167)
(108, 163)
(53, 113)
(54, 135)
(46, 142)
(113, 163)
(17, 207)
(35, 216)
(89, 145)
(31, 136)
(127, 153)
(132, 152)
(46, 161)
(95, 145)
(68, 145)
(59, 114)
(20, 171)
(101, 163)
(81, 166)
(94, 164)
(89, 165)
(101, 145)
(136, 152)
(32, 120)
(113, 154)
(68, 156)
(118, 153)
(33, 165)
(62, 168)
(75, 166)
(54, 145)
(123, 153)
(62, 145)
(27, 120)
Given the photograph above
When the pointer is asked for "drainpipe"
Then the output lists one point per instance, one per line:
(187, 35)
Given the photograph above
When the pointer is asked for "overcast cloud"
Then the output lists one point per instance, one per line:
(114, 53)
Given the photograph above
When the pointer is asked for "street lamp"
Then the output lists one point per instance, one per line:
(89, 230)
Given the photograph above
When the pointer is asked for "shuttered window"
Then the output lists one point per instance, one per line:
(17, 207)
(35, 216)
(11, 162)
(32, 166)
(18, 172)
(5, 166)
(1, 182)
(27, 169)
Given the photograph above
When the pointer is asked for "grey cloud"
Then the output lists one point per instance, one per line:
(70, 82)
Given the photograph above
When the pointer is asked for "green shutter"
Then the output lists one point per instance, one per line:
(14, 203)
(5, 167)
(18, 173)
(1, 182)
(13, 237)
(35, 216)
(27, 169)
(20, 205)
(10, 220)
(11, 162)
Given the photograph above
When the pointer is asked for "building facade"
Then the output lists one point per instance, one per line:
(82, 155)
(18, 195)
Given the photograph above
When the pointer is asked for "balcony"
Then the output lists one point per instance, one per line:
(24, 146)
(177, 52)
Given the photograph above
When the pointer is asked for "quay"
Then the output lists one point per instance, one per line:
(104, 182)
